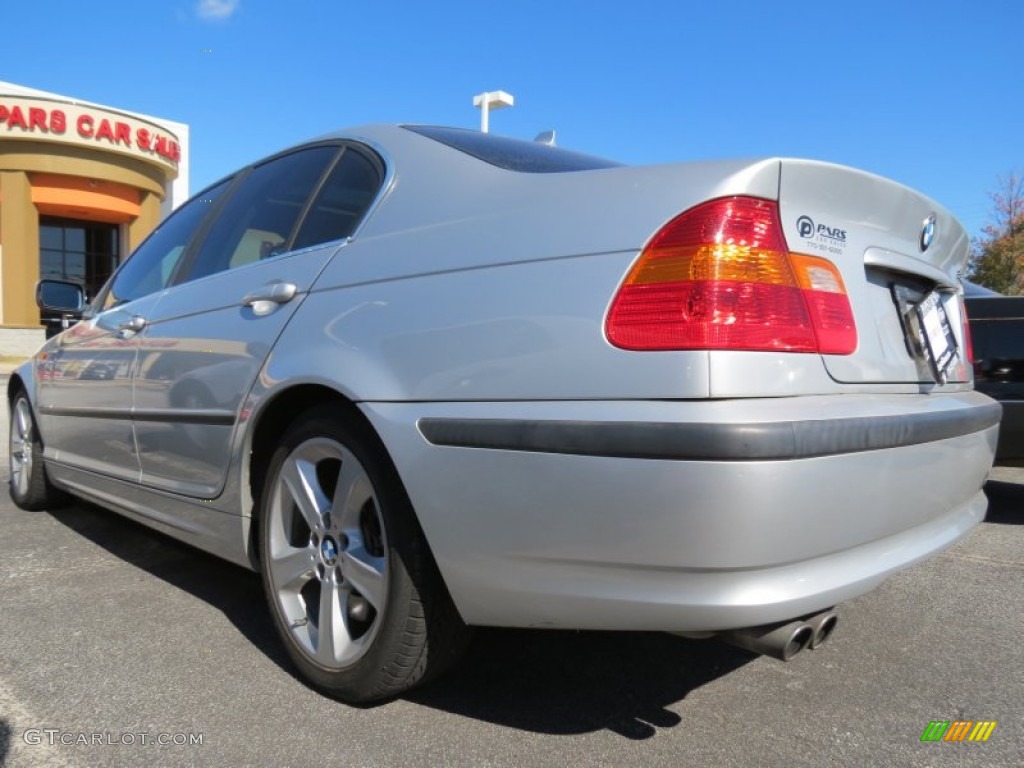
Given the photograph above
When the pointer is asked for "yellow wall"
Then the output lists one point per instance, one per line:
(148, 218)
(41, 157)
(110, 187)
(19, 260)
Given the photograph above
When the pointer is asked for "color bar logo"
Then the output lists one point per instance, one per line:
(958, 730)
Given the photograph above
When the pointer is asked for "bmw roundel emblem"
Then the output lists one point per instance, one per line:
(329, 551)
(927, 232)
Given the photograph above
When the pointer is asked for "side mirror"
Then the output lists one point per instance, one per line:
(60, 296)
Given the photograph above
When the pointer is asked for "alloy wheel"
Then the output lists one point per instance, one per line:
(20, 453)
(328, 554)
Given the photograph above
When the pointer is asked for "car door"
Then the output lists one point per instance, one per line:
(86, 381)
(207, 338)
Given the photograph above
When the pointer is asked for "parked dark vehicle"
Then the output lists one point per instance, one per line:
(997, 329)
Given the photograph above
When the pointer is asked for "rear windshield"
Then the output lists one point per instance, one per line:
(513, 154)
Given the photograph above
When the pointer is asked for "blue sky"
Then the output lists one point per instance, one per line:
(927, 93)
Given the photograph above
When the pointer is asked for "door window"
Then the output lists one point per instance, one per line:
(341, 202)
(152, 266)
(256, 222)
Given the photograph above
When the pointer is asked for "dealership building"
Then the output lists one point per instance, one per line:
(81, 185)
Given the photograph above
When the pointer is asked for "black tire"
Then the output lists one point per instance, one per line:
(29, 486)
(405, 629)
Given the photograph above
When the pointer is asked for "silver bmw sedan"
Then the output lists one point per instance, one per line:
(427, 378)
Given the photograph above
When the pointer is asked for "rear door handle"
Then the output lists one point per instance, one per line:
(133, 324)
(263, 299)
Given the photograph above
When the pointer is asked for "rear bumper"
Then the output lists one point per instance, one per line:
(686, 516)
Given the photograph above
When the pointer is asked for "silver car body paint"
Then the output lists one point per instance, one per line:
(203, 350)
(474, 294)
(102, 443)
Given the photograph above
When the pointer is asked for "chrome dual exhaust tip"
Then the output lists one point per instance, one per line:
(823, 624)
(784, 640)
(780, 641)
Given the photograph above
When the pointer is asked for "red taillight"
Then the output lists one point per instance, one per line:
(968, 341)
(720, 276)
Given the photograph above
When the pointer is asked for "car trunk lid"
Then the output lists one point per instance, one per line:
(899, 254)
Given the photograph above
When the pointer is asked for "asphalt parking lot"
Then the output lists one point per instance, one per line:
(110, 629)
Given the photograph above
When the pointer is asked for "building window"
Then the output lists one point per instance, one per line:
(85, 252)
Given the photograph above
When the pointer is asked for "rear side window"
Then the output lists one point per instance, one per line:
(513, 154)
(258, 218)
(341, 202)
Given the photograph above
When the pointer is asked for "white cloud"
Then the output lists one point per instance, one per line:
(216, 9)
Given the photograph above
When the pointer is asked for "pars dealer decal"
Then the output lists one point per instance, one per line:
(821, 236)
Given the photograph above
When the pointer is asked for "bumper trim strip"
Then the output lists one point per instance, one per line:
(710, 442)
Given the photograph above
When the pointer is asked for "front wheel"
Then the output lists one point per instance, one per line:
(30, 488)
(353, 589)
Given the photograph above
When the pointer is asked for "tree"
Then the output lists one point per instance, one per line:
(997, 257)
